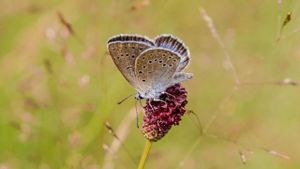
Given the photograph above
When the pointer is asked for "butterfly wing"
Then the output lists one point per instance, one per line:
(155, 67)
(176, 45)
(124, 49)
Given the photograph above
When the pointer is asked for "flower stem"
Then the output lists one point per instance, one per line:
(145, 154)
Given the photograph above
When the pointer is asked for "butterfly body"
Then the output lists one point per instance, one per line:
(150, 66)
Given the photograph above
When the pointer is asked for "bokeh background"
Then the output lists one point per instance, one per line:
(58, 85)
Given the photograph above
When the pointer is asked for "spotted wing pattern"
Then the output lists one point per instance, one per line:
(155, 67)
(124, 49)
(174, 44)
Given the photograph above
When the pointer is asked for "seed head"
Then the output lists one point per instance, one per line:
(161, 115)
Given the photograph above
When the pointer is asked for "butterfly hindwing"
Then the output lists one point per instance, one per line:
(155, 68)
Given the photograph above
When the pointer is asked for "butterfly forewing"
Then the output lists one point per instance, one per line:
(155, 67)
(174, 44)
(124, 49)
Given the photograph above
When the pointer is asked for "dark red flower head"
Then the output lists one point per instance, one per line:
(160, 116)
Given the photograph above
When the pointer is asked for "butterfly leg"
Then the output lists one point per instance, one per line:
(168, 94)
(137, 114)
(155, 99)
(149, 101)
(160, 101)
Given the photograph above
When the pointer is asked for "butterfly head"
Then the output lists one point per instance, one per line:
(138, 96)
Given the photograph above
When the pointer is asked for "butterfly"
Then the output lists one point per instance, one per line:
(150, 66)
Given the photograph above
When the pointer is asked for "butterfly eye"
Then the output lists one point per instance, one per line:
(170, 65)
(141, 48)
(121, 55)
(174, 60)
(160, 61)
(144, 80)
(150, 61)
(132, 56)
(127, 54)
(170, 57)
(144, 67)
(155, 60)
(164, 65)
(140, 71)
(133, 47)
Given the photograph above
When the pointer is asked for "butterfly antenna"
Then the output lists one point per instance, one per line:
(121, 101)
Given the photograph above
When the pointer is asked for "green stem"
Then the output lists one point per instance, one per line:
(145, 154)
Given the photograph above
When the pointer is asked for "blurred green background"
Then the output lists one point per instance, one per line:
(57, 88)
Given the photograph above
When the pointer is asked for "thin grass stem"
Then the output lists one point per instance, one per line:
(145, 154)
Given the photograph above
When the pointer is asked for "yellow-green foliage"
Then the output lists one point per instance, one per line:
(58, 89)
